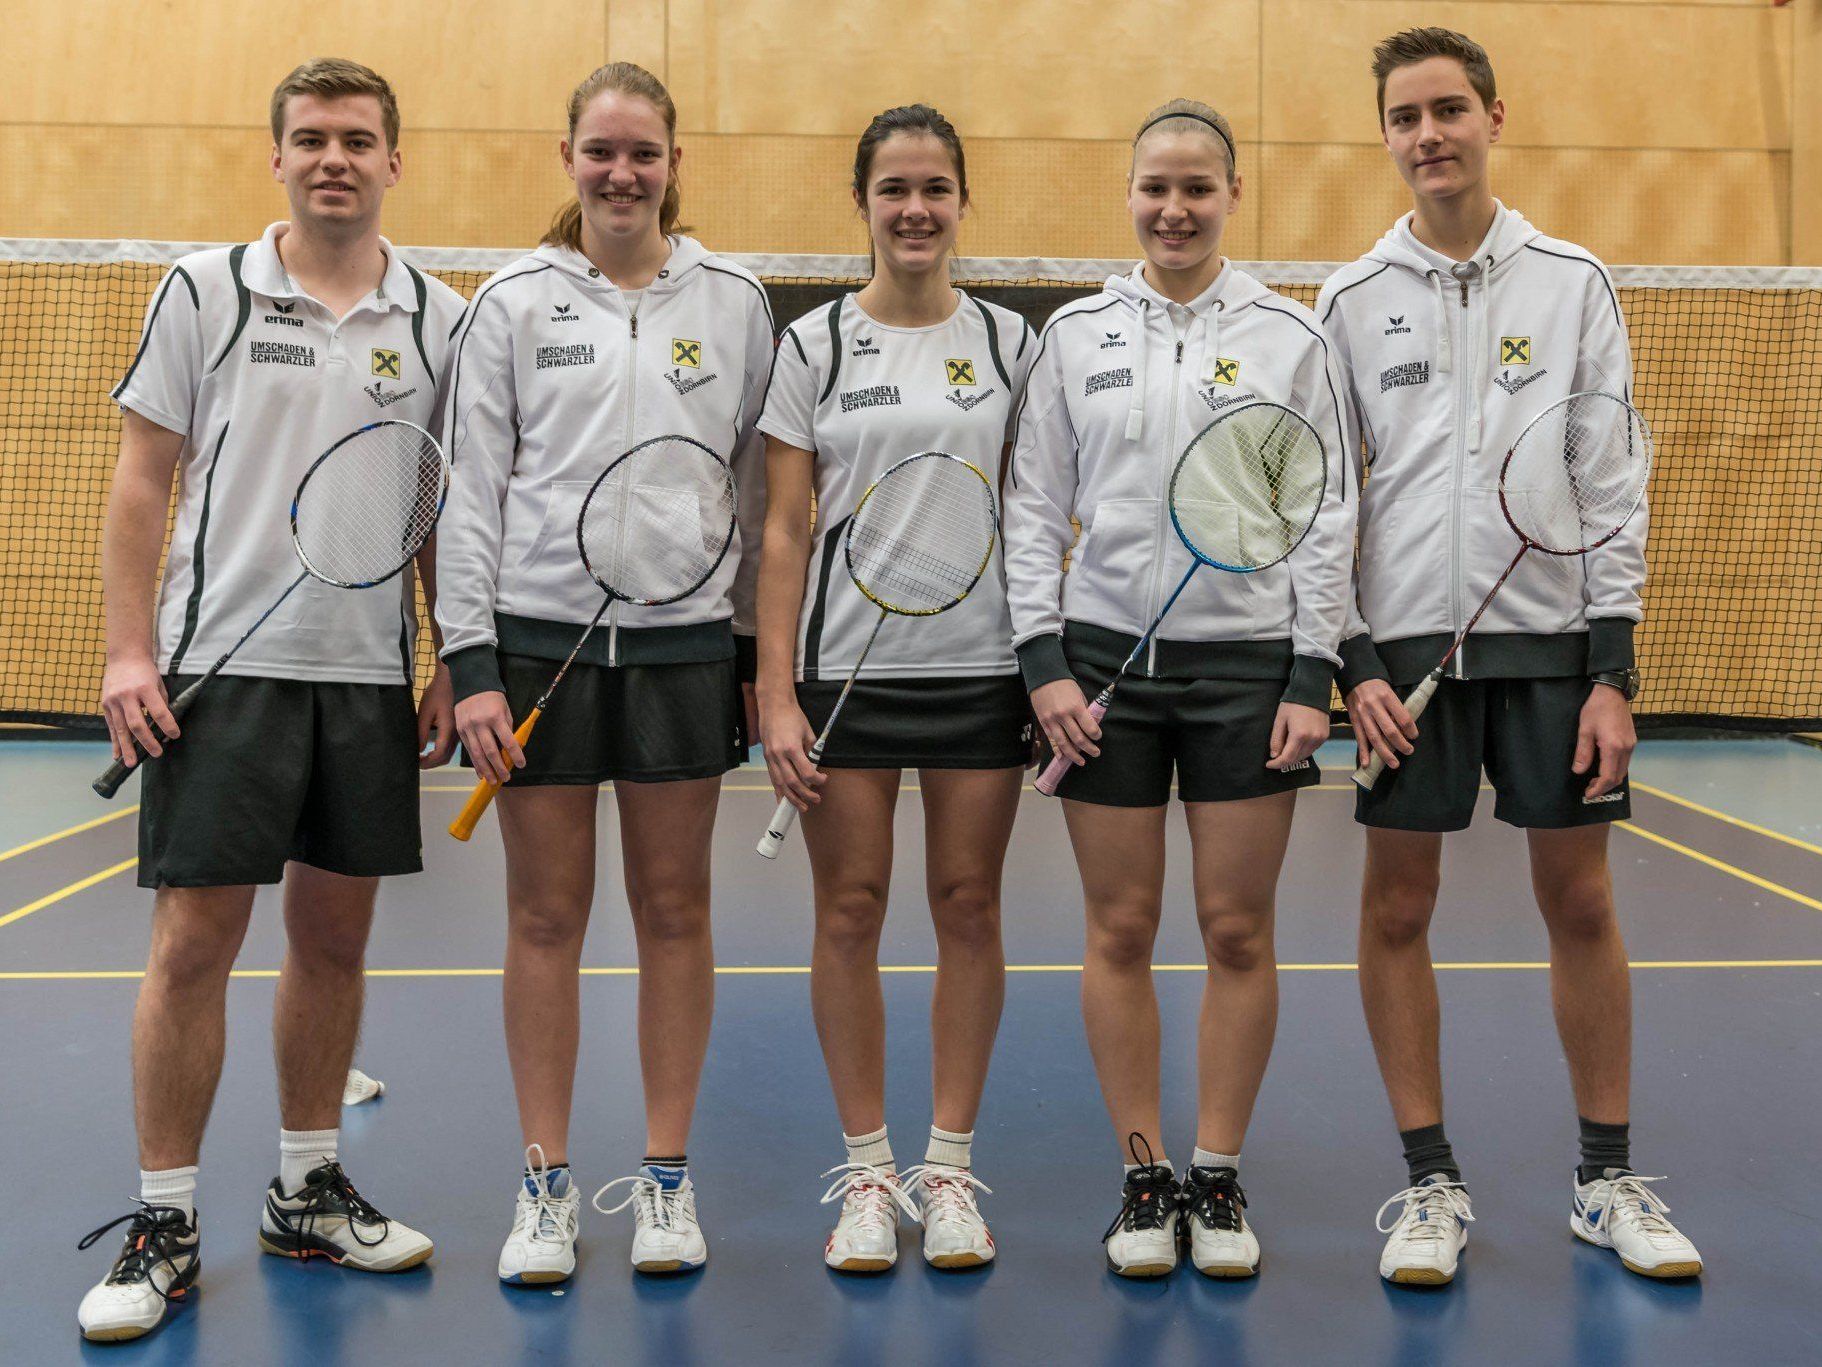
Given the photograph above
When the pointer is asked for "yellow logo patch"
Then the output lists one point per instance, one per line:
(386, 363)
(1515, 351)
(959, 371)
(686, 352)
(1226, 371)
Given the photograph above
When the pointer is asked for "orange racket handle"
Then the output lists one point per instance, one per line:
(482, 796)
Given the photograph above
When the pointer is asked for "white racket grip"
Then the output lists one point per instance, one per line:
(783, 819)
(1061, 765)
(1368, 774)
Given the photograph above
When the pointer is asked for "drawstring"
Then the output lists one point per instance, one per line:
(1445, 353)
(1135, 413)
(1211, 342)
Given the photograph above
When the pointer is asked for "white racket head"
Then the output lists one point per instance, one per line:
(1248, 487)
(1576, 474)
(658, 522)
(922, 534)
(368, 504)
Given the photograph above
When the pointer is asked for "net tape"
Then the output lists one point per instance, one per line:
(369, 505)
(922, 535)
(1727, 370)
(1577, 473)
(658, 521)
(1248, 487)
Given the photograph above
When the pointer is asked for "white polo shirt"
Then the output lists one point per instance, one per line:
(261, 379)
(863, 396)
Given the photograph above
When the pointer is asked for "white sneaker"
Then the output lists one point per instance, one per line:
(666, 1237)
(1618, 1211)
(865, 1237)
(955, 1235)
(1212, 1206)
(542, 1245)
(1428, 1235)
(329, 1219)
(158, 1264)
(1142, 1240)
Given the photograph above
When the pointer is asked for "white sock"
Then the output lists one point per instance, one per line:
(1206, 1159)
(1161, 1163)
(950, 1149)
(170, 1187)
(300, 1151)
(873, 1148)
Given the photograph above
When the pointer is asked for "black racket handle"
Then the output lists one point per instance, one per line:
(109, 783)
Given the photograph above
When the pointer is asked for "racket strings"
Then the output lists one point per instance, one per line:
(1249, 487)
(370, 505)
(921, 537)
(658, 523)
(1577, 474)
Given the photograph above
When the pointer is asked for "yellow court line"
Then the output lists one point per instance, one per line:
(67, 831)
(1741, 822)
(70, 891)
(1800, 898)
(803, 970)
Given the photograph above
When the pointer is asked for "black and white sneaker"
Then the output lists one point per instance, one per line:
(1142, 1240)
(329, 1219)
(1221, 1242)
(157, 1265)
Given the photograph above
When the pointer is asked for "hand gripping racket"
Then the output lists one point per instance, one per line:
(918, 543)
(1570, 483)
(363, 509)
(654, 528)
(1244, 493)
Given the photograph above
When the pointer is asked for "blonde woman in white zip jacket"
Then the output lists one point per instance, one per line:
(1234, 696)
(616, 330)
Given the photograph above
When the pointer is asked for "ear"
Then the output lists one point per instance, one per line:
(395, 168)
(860, 201)
(1496, 116)
(1233, 192)
(676, 157)
(568, 154)
(277, 173)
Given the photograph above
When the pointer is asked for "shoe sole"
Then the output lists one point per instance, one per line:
(1141, 1270)
(1227, 1271)
(1418, 1276)
(953, 1261)
(667, 1267)
(1662, 1272)
(536, 1278)
(862, 1265)
(303, 1253)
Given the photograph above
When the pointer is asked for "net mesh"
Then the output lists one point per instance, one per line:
(370, 504)
(658, 521)
(922, 535)
(1577, 473)
(1248, 487)
(1728, 372)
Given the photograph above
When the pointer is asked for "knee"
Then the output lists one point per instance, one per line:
(669, 915)
(192, 957)
(1236, 938)
(548, 926)
(849, 920)
(1579, 909)
(328, 951)
(966, 912)
(1122, 937)
(1397, 911)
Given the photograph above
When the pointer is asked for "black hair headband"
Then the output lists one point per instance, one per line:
(1233, 157)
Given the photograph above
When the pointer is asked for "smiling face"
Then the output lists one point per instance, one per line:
(334, 161)
(1180, 197)
(1437, 128)
(913, 203)
(621, 158)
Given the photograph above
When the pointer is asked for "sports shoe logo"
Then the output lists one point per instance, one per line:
(1113, 340)
(968, 401)
(863, 346)
(1395, 326)
(683, 385)
(563, 314)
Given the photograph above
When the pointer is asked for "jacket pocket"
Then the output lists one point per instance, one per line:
(1406, 565)
(557, 530)
(1112, 564)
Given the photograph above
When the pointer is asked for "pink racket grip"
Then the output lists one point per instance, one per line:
(1061, 765)
(1368, 774)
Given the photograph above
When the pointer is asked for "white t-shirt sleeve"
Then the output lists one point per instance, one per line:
(161, 383)
(790, 405)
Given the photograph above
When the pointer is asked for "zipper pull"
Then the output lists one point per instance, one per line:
(1464, 299)
(1464, 294)
(1179, 351)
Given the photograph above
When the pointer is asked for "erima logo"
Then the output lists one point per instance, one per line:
(1511, 383)
(863, 346)
(1107, 379)
(563, 314)
(1398, 376)
(1396, 326)
(1113, 339)
(284, 308)
(385, 400)
(281, 353)
(684, 386)
(968, 401)
(555, 357)
(878, 396)
(1300, 764)
(283, 321)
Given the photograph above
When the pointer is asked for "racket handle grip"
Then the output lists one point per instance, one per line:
(1368, 774)
(485, 789)
(783, 818)
(110, 782)
(1055, 770)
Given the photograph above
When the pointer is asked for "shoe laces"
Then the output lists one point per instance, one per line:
(541, 1214)
(869, 1194)
(148, 1241)
(1425, 1205)
(1631, 1200)
(948, 1192)
(671, 1209)
(330, 1193)
(1213, 1196)
(1150, 1193)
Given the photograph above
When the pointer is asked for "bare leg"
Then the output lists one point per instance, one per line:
(1590, 985)
(316, 1012)
(549, 833)
(665, 830)
(180, 1019)
(968, 816)
(1239, 850)
(1120, 852)
(1397, 980)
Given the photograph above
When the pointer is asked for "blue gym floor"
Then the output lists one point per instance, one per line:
(1719, 879)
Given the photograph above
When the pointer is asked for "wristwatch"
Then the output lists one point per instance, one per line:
(1626, 680)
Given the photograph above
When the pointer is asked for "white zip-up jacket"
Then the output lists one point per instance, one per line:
(555, 373)
(1121, 384)
(1446, 364)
